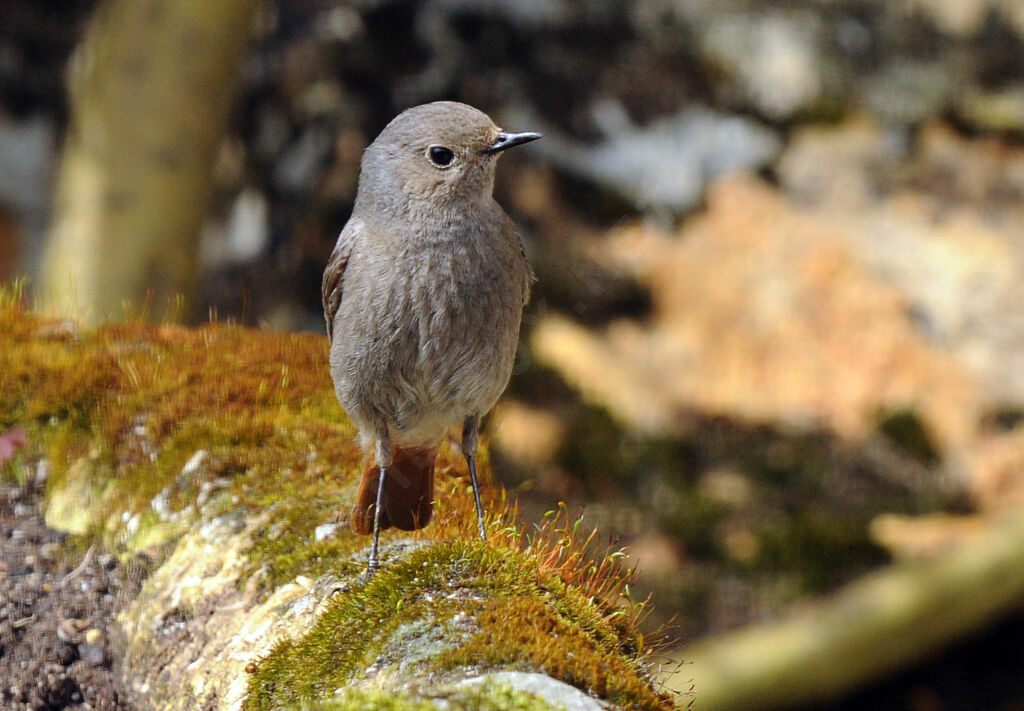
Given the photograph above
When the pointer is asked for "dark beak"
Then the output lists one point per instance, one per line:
(507, 140)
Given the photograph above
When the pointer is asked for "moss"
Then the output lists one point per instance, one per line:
(522, 618)
(377, 700)
(487, 697)
(132, 403)
(531, 633)
(150, 430)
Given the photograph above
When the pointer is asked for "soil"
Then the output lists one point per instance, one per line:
(56, 615)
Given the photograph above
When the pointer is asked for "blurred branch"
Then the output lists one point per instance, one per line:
(875, 626)
(150, 90)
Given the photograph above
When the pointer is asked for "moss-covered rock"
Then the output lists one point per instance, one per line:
(448, 611)
(219, 455)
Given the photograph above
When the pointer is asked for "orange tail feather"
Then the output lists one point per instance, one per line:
(408, 492)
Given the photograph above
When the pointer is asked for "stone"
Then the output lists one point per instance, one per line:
(556, 693)
(92, 654)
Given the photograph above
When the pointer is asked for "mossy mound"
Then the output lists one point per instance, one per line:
(148, 427)
(221, 456)
(449, 609)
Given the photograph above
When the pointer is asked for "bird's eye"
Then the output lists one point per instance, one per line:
(440, 156)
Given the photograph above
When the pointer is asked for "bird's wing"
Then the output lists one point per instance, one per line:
(513, 234)
(334, 274)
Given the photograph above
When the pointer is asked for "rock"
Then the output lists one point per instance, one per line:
(192, 468)
(237, 602)
(529, 436)
(325, 532)
(840, 165)
(242, 239)
(92, 654)
(907, 91)
(55, 690)
(868, 303)
(300, 163)
(998, 471)
(67, 654)
(69, 509)
(965, 18)
(27, 157)
(557, 694)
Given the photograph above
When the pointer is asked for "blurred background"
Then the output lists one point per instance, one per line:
(777, 338)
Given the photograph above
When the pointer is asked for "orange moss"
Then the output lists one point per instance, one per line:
(142, 399)
(529, 632)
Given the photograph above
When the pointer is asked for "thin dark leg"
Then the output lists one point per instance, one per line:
(374, 562)
(469, 437)
(383, 456)
(476, 493)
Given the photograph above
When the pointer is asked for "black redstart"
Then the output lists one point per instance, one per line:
(423, 297)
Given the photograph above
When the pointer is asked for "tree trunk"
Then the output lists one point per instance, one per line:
(150, 89)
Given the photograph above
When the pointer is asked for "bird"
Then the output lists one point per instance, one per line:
(423, 296)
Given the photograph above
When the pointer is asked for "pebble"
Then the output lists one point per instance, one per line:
(92, 654)
(67, 654)
(325, 532)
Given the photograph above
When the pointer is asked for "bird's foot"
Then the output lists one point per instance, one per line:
(371, 570)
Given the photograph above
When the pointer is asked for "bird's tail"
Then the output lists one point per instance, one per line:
(408, 492)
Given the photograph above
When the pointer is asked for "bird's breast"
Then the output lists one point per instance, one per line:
(429, 331)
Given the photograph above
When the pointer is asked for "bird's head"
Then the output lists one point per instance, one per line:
(440, 152)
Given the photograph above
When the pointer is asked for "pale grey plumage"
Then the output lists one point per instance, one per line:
(424, 292)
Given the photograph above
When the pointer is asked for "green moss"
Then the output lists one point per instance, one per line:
(522, 619)
(486, 697)
(131, 404)
(530, 633)
(379, 701)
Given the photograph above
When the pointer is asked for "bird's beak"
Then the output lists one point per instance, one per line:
(507, 140)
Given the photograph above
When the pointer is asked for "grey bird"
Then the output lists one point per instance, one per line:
(423, 296)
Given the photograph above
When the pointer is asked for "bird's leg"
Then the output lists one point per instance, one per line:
(383, 455)
(469, 437)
